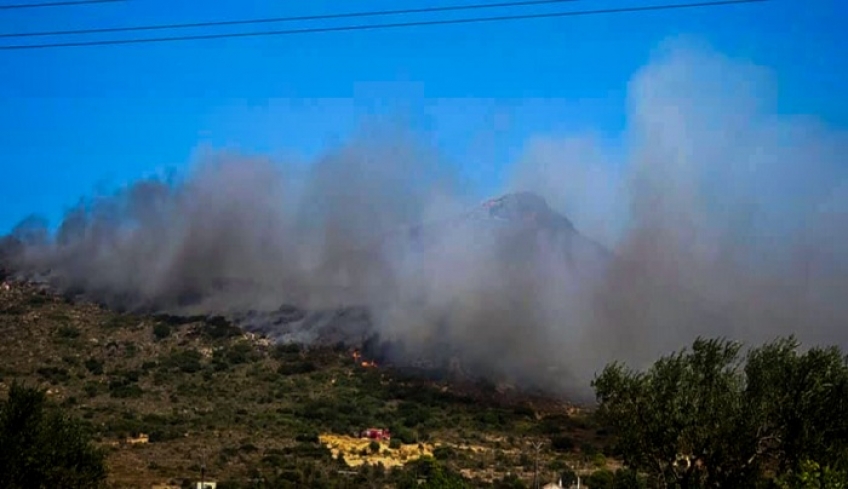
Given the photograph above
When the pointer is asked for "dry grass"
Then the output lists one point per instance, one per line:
(357, 451)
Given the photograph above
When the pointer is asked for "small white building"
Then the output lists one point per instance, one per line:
(206, 485)
(559, 485)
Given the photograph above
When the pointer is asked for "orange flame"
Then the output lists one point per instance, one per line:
(364, 363)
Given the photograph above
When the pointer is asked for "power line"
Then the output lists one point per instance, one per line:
(346, 15)
(361, 27)
(65, 3)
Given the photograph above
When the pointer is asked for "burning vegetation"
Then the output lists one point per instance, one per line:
(357, 358)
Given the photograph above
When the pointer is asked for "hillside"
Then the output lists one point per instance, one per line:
(208, 394)
(482, 294)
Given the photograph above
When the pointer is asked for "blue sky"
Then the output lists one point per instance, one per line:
(73, 120)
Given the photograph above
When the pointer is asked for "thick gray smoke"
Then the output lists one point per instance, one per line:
(235, 232)
(723, 218)
(726, 217)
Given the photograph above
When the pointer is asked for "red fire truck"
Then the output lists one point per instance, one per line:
(376, 434)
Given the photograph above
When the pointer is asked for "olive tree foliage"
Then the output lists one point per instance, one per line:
(802, 401)
(711, 416)
(811, 475)
(41, 448)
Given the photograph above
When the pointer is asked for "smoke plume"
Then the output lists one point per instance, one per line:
(719, 217)
(725, 216)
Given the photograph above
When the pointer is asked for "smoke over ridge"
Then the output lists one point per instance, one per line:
(722, 218)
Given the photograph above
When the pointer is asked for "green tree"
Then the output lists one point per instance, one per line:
(40, 447)
(687, 404)
(801, 401)
(628, 479)
(436, 475)
(811, 475)
(706, 418)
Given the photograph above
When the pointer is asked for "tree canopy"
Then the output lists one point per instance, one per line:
(713, 416)
(41, 448)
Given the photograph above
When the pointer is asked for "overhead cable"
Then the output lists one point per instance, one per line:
(63, 3)
(299, 18)
(362, 27)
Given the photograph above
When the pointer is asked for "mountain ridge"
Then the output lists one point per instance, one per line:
(518, 235)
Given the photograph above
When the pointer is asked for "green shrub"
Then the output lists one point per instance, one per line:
(59, 317)
(443, 453)
(598, 460)
(285, 350)
(490, 419)
(91, 389)
(601, 479)
(39, 299)
(70, 360)
(129, 376)
(524, 411)
(404, 435)
(248, 448)
(230, 484)
(121, 322)
(589, 450)
(167, 433)
(94, 366)
(218, 328)
(54, 375)
(296, 368)
(629, 479)
(555, 424)
(187, 361)
(311, 437)
(68, 332)
(238, 353)
(562, 443)
(122, 389)
(161, 331)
